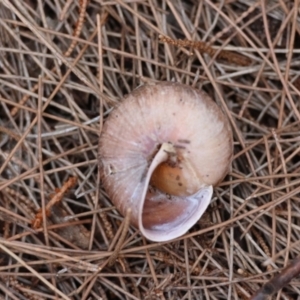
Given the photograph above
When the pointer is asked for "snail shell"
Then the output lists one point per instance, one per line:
(161, 151)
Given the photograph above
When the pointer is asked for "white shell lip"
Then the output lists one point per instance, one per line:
(196, 205)
(191, 207)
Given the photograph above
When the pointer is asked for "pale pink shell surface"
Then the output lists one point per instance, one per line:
(148, 118)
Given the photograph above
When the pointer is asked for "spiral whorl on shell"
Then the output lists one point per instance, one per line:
(160, 152)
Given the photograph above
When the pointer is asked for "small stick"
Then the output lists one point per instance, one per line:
(204, 47)
(36, 222)
(79, 25)
(264, 246)
(279, 281)
(25, 290)
(120, 242)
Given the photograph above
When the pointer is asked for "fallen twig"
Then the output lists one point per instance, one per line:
(279, 281)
